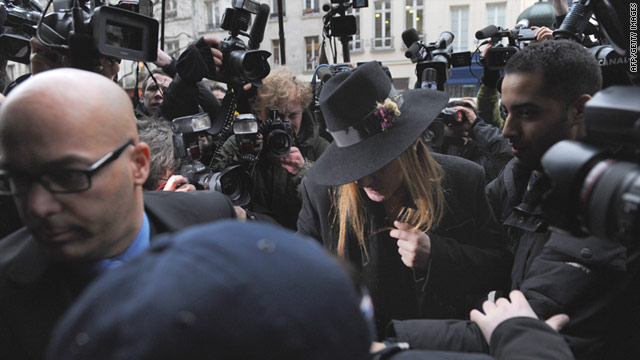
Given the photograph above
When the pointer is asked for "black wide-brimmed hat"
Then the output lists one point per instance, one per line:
(371, 123)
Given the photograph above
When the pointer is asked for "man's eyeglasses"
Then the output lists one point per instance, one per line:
(57, 181)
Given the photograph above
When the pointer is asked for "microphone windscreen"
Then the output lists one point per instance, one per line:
(410, 36)
(486, 32)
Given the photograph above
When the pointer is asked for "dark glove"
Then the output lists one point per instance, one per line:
(490, 78)
(196, 62)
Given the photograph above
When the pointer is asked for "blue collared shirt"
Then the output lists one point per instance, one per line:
(139, 245)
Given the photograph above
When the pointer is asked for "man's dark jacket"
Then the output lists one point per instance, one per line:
(594, 281)
(468, 255)
(34, 293)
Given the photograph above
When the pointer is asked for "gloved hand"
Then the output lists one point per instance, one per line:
(197, 62)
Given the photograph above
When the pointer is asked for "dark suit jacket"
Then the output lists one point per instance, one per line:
(34, 293)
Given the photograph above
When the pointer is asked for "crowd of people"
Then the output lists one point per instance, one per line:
(367, 244)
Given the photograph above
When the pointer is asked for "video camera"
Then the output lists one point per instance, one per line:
(240, 65)
(434, 60)
(605, 40)
(18, 20)
(233, 181)
(596, 184)
(498, 55)
(277, 136)
(87, 29)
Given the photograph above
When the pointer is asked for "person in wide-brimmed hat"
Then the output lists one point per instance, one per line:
(444, 245)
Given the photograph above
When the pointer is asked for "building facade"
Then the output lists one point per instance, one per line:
(378, 37)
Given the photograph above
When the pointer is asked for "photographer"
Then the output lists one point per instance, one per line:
(473, 139)
(276, 179)
(163, 164)
(153, 89)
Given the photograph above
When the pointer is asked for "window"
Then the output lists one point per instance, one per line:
(312, 53)
(275, 50)
(382, 25)
(171, 8)
(460, 27)
(495, 14)
(310, 6)
(172, 48)
(274, 8)
(356, 43)
(413, 15)
(213, 15)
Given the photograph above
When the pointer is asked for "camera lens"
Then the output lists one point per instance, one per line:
(255, 65)
(278, 143)
(230, 185)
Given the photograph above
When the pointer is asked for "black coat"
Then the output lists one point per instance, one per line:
(468, 254)
(519, 338)
(34, 293)
(594, 281)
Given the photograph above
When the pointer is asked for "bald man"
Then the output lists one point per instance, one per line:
(71, 160)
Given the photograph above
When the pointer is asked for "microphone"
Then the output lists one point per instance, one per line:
(259, 25)
(410, 36)
(324, 73)
(414, 46)
(487, 32)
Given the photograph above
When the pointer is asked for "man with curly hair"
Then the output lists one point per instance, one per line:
(276, 180)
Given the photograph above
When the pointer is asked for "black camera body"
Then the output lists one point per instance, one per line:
(434, 60)
(451, 117)
(596, 183)
(498, 55)
(18, 20)
(277, 135)
(233, 181)
(88, 30)
(241, 63)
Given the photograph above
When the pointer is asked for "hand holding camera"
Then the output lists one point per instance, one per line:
(293, 162)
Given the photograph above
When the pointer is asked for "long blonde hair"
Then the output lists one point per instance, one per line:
(421, 176)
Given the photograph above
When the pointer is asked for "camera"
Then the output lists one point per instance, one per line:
(233, 181)
(86, 30)
(433, 60)
(498, 55)
(277, 135)
(450, 117)
(245, 129)
(18, 20)
(596, 183)
(244, 64)
(613, 59)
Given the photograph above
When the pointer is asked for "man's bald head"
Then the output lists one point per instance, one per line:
(54, 129)
(82, 99)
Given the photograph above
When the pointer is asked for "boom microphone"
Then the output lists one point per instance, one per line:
(259, 24)
(487, 32)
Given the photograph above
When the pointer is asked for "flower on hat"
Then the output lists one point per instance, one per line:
(387, 111)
